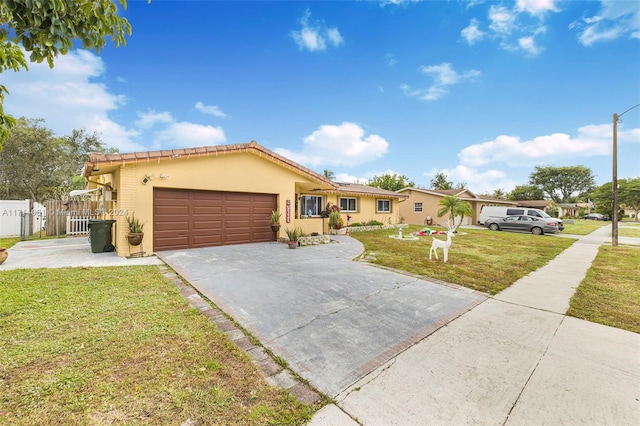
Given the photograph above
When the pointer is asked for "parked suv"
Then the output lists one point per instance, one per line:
(489, 212)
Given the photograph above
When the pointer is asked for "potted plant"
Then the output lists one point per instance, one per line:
(275, 220)
(293, 236)
(135, 231)
(335, 222)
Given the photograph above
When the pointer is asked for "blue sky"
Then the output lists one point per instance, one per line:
(482, 91)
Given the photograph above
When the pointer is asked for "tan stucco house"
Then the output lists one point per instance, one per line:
(221, 195)
(422, 205)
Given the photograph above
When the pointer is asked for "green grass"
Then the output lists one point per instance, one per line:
(610, 292)
(120, 345)
(8, 242)
(625, 231)
(487, 261)
(583, 227)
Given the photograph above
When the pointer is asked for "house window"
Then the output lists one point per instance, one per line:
(383, 206)
(417, 207)
(310, 205)
(347, 204)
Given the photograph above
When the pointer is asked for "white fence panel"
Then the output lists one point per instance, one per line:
(11, 212)
(78, 225)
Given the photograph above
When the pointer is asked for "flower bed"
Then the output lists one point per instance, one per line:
(374, 227)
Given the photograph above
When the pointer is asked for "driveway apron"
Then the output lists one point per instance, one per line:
(332, 319)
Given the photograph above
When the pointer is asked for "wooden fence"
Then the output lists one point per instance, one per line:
(69, 217)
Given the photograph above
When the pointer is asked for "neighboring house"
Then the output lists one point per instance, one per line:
(571, 209)
(544, 205)
(423, 205)
(221, 195)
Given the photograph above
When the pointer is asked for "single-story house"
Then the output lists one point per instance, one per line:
(543, 205)
(571, 209)
(221, 195)
(422, 205)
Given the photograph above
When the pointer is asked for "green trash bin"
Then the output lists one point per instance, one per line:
(100, 234)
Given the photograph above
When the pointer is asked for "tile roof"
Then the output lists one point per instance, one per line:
(96, 159)
(360, 189)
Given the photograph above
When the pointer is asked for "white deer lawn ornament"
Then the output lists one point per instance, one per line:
(444, 245)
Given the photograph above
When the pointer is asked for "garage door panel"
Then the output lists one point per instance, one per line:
(190, 218)
(173, 242)
(237, 210)
(207, 240)
(171, 226)
(207, 210)
(213, 225)
(171, 194)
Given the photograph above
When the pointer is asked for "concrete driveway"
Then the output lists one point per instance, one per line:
(332, 319)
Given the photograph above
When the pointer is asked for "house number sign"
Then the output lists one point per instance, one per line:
(288, 211)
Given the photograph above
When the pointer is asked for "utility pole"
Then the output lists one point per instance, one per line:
(614, 183)
(614, 201)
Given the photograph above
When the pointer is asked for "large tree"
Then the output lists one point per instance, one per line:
(454, 207)
(562, 184)
(391, 182)
(440, 181)
(629, 195)
(48, 28)
(329, 174)
(36, 164)
(526, 192)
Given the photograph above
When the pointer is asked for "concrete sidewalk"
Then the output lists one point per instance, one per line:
(66, 252)
(515, 359)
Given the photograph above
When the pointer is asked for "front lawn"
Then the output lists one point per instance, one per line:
(610, 292)
(119, 345)
(488, 261)
(583, 227)
(628, 231)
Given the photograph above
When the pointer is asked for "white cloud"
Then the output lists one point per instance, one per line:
(335, 145)
(384, 3)
(314, 36)
(211, 110)
(502, 19)
(514, 27)
(149, 119)
(528, 44)
(615, 19)
(68, 98)
(347, 178)
(443, 76)
(536, 7)
(391, 59)
(472, 33)
(334, 36)
(592, 140)
(166, 132)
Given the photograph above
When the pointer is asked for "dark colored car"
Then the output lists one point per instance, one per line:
(535, 225)
(596, 216)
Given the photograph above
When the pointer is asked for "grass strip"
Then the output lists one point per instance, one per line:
(610, 292)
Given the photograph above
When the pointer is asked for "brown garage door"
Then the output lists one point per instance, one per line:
(188, 219)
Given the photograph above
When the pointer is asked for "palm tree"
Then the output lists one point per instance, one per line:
(454, 206)
(329, 174)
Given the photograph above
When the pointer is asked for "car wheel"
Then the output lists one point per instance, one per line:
(536, 231)
(494, 227)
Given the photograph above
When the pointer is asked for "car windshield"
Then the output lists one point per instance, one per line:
(545, 215)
